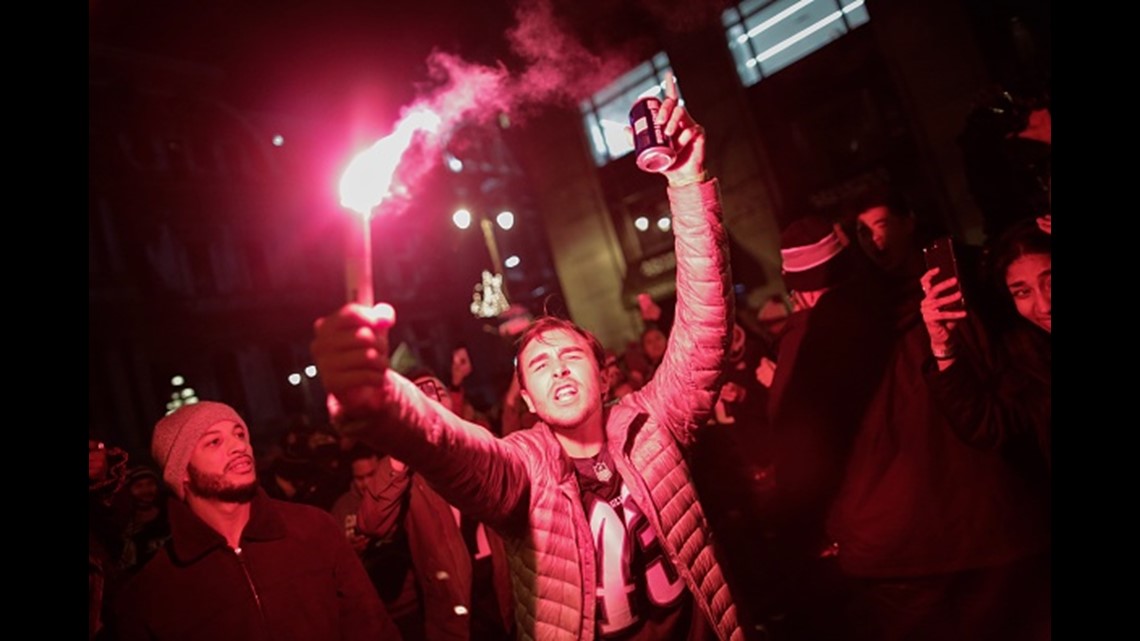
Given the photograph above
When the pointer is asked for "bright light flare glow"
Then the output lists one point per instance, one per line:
(311, 371)
(177, 380)
(381, 312)
(664, 224)
(368, 178)
(512, 261)
(294, 379)
(642, 223)
(461, 218)
(505, 219)
(278, 140)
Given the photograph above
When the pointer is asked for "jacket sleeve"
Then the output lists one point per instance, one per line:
(979, 394)
(684, 388)
(471, 468)
(379, 512)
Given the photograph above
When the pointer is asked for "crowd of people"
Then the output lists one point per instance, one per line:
(864, 457)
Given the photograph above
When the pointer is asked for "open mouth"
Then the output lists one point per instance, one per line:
(240, 465)
(564, 393)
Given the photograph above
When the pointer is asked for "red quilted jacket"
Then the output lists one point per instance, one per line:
(524, 487)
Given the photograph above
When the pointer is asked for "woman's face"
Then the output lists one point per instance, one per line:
(1030, 282)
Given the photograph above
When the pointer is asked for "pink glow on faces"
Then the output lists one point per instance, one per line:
(563, 383)
(1030, 283)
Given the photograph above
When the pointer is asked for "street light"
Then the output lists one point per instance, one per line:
(299, 379)
(462, 218)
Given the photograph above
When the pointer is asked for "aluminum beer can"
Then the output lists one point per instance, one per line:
(652, 148)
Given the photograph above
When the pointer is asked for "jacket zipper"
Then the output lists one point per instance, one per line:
(587, 623)
(249, 582)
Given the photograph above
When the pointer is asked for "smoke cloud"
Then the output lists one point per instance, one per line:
(555, 69)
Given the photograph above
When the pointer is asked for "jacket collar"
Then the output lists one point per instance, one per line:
(192, 538)
(617, 420)
(557, 459)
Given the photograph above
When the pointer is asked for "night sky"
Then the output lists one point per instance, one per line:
(328, 57)
(308, 57)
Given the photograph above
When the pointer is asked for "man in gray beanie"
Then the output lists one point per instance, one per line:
(239, 564)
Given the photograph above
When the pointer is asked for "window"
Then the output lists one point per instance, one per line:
(606, 113)
(765, 36)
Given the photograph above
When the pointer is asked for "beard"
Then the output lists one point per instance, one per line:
(214, 486)
(563, 420)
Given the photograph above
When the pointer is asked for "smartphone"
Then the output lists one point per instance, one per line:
(940, 254)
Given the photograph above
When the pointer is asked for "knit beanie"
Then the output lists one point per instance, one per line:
(813, 255)
(176, 434)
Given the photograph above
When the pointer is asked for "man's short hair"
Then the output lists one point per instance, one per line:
(546, 324)
(360, 451)
(891, 197)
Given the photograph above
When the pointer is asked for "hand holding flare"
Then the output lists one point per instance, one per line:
(363, 186)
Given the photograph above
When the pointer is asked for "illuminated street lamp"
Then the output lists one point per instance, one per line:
(301, 379)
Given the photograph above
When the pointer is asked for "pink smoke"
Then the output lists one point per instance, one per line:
(556, 69)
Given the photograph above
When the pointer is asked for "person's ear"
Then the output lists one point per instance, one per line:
(526, 399)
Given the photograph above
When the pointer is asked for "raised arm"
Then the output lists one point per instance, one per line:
(685, 386)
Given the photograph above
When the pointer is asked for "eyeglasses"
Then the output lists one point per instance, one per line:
(430, 387)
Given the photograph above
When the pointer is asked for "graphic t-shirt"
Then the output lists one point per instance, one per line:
(639, 593)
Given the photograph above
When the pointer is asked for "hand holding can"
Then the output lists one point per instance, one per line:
(652, 148)
(671, 143)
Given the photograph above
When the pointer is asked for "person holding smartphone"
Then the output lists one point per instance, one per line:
(941, 539)
(991, 373)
